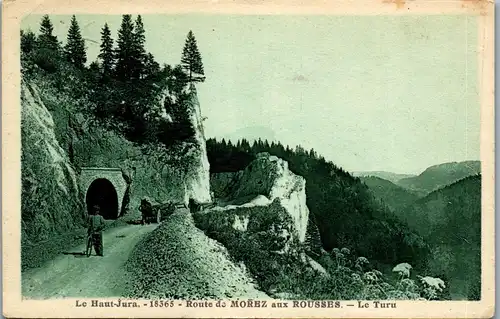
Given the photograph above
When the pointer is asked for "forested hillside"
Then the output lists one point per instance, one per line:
(450, 221)
(394, 196)
(346, 212)
(125, 89)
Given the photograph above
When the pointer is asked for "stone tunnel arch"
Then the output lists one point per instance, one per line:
(99, 184)
(102, 192)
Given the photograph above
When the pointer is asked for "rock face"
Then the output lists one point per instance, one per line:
(198, 183)
(222, 183)
(267, 224)
(51, 201)
(180, 173)
(265, 204)
(268, 180)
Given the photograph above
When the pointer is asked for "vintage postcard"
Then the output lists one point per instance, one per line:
(312, 159)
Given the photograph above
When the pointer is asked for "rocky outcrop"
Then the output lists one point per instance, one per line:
(222, 183)
(258, 221)
(262, 220)
(180, 173)
(268, 180)
(265, 204)
(50, 201)
(198, 183)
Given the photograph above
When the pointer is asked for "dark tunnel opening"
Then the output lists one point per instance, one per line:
(102, 192)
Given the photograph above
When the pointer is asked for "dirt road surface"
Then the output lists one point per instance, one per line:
(75, 275)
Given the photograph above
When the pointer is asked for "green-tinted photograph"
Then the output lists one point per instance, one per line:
(202, 156)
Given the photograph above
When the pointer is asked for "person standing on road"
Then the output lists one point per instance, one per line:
(95, 228)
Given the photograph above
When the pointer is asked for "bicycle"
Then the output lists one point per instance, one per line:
(88, 251)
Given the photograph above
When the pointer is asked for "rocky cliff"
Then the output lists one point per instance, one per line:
(266, 182)
(265, 203)
(198, 184)
(50, 201)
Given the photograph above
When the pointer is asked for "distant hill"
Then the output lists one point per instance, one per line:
(390, 176)
(394, 196)
(449, 219)
(440, 175)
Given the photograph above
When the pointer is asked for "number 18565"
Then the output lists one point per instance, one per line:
(161, 303)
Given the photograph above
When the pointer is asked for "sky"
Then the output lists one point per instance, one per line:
(392, 93)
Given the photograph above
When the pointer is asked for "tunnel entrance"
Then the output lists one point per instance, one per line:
(103, 193)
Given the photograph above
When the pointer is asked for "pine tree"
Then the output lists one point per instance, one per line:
(94, 67)
(28, 41)
(94, 75)
(48, 50)
(125, 49)
(177, 79)
(151, 67)
(245, 145)
(191, 59)
(75, 46)
(139, 52)
(106, 54)
(313, 241)
(46, 39)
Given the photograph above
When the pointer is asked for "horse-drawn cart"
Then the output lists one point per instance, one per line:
(153, 212)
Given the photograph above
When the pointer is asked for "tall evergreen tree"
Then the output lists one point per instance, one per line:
(106, 54)
(48, 50)
(125, 49)
(313, 241)
(245, 145)
(75, 46)
(191, 59)
(46, 39)
(139, 52)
